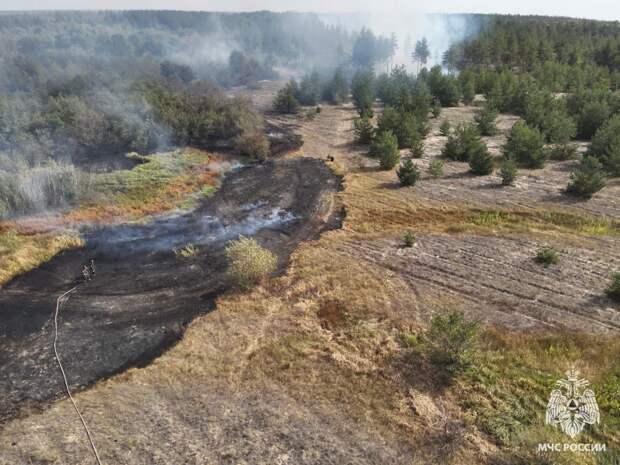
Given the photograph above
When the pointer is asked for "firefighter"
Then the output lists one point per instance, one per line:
(91, 268)
(86, 273)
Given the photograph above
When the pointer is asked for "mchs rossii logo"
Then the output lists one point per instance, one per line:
(572, 407)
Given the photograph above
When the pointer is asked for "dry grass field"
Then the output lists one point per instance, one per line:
(325, 363)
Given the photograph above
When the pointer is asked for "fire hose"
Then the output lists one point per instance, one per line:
(62, 299)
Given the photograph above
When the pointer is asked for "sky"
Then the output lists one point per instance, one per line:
(597, 9)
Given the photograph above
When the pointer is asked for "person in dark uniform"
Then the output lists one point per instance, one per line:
(91, 267)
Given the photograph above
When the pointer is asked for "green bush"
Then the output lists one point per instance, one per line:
(286, 99)
(592, 117)
(436, 109)
(409, 239)
(547, 256)
(444, 88)
(613, 290)
(444, 129)
(310, 89)
(407, 128)
(363, 91)
(606, 146)
(525, 145)
(452, 342)
(408, 173)
(385, 147)
(480, 161)
(364, 130)
(485, 119)
(469, 92)
(508, 172)
(248, 262)
(588, 179)
(463, 143)
(336, 91)
(558, 127)
(417, 148)
(435, 168)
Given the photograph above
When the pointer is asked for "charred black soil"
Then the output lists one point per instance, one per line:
(144, 293)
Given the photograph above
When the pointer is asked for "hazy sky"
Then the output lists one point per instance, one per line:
(599, 9)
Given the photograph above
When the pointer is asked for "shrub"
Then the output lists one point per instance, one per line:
(364, 130)
(417, 148)
(363, 91)
(547, 256)
(558, 127)
(444, 129)
(253, 144)
(485, 119)
(310, 89)
(452, 342)
(508, 172)
(435, 168)
(444, 88)
(613, 290)
(525, 145)
(408, 173)
(336, 91)
(286, 100)
(409, 239)
(406, 127)
(385, 147)
(469, 92)
(588, 179)
(563, 152)
(389, 120)
(481, 161)
(606, 146)
(248, 262)
(463, 143)
(436, 109)
(592, 117)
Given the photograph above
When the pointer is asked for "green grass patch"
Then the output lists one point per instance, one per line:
(507, 389)
(160, 182)
(208, 191)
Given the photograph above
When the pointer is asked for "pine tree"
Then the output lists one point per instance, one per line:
(408, 173)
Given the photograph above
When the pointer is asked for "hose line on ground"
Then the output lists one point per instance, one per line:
(62, 299)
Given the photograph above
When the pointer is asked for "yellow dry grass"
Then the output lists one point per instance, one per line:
(20, 254)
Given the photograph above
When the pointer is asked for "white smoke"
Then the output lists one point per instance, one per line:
(408, 26)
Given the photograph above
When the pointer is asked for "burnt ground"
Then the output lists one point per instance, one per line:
(143, 293)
